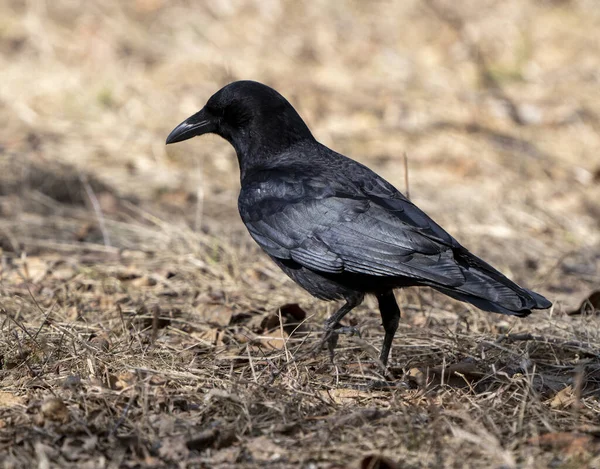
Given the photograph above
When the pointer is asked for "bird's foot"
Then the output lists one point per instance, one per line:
(337, 327)
(332, 334)
(351, 331)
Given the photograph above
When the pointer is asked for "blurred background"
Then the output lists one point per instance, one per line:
(494, 103)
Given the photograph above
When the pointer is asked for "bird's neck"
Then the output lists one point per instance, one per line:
(256, 150)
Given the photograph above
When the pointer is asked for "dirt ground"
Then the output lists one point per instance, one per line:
(140, 327)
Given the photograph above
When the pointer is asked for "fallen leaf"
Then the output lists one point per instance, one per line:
(212, 336)
(72, 382)
(29, 269)
(74, 448)
(274, 339)
(292, 315)
(63, 272)
(349, 396)
(35, 269)
(100, 342)
(173, 448)
(416, 375)
(563, 398)
(269, 322)
(109, 204)
(591, 305)
(570, 443)
(53, 408)
(213, 438)
(125, 274)
(293, 311)
(123, 380)
(177, 198)
(8, 399)
(217, 314)
(590, 429)
(378, 462)
(263, 449)
(226, 456)
(157, 380)
(150, 314)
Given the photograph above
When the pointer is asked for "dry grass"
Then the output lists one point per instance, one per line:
(140, 327)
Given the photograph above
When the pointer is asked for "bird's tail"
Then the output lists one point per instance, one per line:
(489, 290)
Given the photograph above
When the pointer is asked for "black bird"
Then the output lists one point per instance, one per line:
(335, 227)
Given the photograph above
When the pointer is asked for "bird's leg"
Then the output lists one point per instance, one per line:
(332, 325)
(333, 322)
(390, 316)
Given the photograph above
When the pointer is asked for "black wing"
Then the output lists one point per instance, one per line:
(334, 225)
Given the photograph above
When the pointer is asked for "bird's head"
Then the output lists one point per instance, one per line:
(249, 115)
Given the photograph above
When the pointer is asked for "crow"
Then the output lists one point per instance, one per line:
(334, 226)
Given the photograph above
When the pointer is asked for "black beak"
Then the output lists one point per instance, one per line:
(198, 124)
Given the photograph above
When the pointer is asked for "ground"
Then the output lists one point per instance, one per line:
(141, 327)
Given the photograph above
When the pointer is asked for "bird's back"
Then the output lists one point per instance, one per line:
(334, 216)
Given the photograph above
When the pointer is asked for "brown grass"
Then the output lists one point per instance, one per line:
(141, 327)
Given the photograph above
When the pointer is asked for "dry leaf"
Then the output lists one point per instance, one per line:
(63, 272)
(75, 448)
(35, 269)
(590, 429)
(570, 443)
(173, 448)
(227, 456)
(349, 396)
(213, 438)
(72, 382)
(212, 336)
(274, 339)
(591, 305)
(53, 408)
(100, 342)
(563, 398)
(417, 376)
(263, 449)
(269, 322)
(217, 314)
(30, 269)
(123, 380)
(8, 399)
(292, 315)
(378, 462)
(293, 311)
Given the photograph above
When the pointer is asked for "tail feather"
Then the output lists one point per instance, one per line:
(489, 290)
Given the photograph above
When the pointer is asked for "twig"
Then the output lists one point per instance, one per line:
(251, 363)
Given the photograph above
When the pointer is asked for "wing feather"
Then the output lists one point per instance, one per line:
(333, 231)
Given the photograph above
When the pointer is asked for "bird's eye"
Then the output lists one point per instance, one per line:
(235, 115)
(216, 111)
